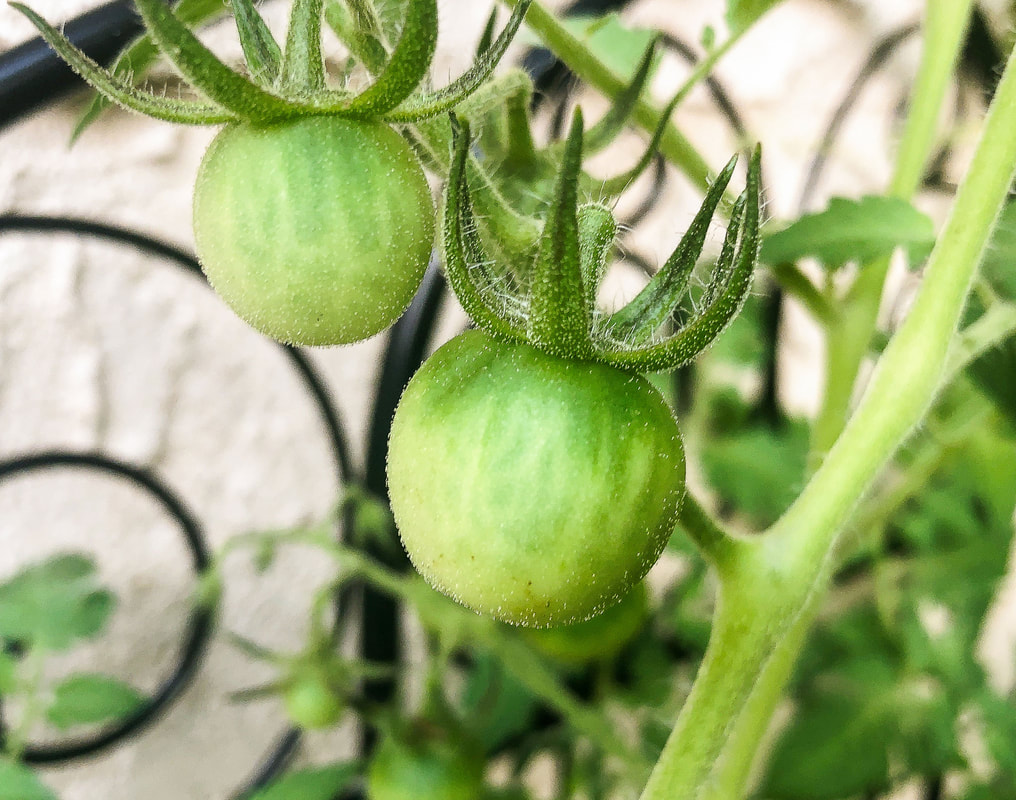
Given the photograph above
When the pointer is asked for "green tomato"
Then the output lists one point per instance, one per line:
(311, 703)
(428, 769)
(535, 489)
(600, 638)
(315, 231)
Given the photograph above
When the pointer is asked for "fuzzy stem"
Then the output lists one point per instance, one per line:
(850, 335)
(772, 594)
(580, 60)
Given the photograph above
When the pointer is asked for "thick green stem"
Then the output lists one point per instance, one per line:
(850, 335)
(769, 600)
(580, 60)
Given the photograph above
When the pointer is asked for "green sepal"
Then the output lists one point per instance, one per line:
(206, 72)
(429, 104)
(459, 236)
(613, 122)
(303, 71)
(362, 37)
(710, 322)
(654, 305)
(559, 314)
(260, 50)
(487, 37)
(119, 90)
(139, 55)
(521, 151)
(408, 65)
(515, 234)
(597, 233)
(725, 261)
(611, 187)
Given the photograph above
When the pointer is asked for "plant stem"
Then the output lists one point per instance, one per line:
(714, 542)
(850, 335)
(580, 60)
(773, 593)
(34, 706)
(515, 655)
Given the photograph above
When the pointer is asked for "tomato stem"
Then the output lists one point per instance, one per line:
(851, 331)
(770, 596)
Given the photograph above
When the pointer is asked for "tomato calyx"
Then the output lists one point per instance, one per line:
(286, 83)
(552, 306)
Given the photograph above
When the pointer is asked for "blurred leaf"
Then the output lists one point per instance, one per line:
(835, 748)
(86, 699)
(616, 45)
(53, 603)
(744, 341)
(853, 231)
(999, 733)
(757, 469)
(319, 783)
(497, 704)
(8, 673)
(742, 13)
(18, 782)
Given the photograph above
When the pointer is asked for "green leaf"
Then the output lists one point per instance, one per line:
(741, 14)
(853, 230)
(318, 783)
(8, 673)
(87, 699)
(619, 47)
(834, 749)
(18, 782)
(496, 703)
(53, 603)
(758, 469)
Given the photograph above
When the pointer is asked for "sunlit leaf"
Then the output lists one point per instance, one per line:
(87, 699)
(54, 603)
(853, 231)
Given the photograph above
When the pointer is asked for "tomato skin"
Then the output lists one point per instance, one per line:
(315, 231)
(531, 488)
(431, 769)
(599, 638)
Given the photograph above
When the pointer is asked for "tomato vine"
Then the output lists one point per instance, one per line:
(535, 473)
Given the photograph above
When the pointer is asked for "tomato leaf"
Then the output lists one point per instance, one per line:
(618, 46)
(497, 703)
(86, 699)
(53, 603)
(318, 783)
(827, 734)
(853, 231)
(18, 782)
(8, 673)
(742, 14)
(757, 468)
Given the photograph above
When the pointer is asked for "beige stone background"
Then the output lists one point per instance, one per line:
(101, 348)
